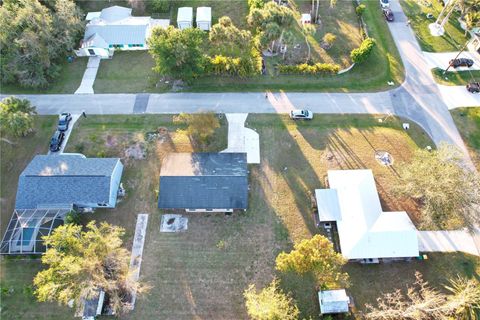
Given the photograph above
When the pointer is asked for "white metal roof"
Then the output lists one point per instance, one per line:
(333, 301)
(185, 14)
(204, 14)
(92, 15)
(364, 230)
(327, 203)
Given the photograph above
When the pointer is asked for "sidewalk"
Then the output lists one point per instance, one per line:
(447, 241)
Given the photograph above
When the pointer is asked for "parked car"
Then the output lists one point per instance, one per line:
(473, 87)
(56, 141)
(461, 62)
(63, 121)
(388, 14)
(384, 4)
(301, 114)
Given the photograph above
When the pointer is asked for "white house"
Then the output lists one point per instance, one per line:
(185, 18)
(204, 18)
(333, 301)
(115, 28)
(366, 233)
(306, 19)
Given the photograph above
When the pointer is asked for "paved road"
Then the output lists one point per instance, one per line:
(418, 98)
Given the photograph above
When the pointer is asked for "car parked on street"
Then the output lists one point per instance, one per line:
(298, 114)
(473, 87)
(56, 141)
(461, 62)
(388, 14)
(384, 4)
(63, 121)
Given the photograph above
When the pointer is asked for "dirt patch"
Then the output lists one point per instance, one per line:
(136, 151)
(111, 141)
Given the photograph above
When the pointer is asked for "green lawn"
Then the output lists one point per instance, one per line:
(454, 37)
(455, 78)
(68, 81)
(468, 123)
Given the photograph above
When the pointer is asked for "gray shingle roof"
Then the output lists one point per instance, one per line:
(204, 181)
(65, 180)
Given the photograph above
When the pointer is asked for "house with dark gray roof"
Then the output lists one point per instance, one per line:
(49, 188)
(114, 28)
(201, 182)
(69, 180)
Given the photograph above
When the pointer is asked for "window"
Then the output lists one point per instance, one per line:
(116, 46)
(135, 45)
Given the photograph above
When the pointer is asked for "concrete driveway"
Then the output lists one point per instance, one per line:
(242, 139)
(86, 87)
(75, 117)
(458, 96)
(441, 60)
(447, 241)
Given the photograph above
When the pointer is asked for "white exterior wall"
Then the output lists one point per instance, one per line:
(101, 52)
(203, 25)
(115, 184)
(209, 210)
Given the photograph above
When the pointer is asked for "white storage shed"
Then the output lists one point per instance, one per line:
(204, 18)
(185, 18)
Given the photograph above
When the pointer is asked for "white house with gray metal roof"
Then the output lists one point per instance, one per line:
(204, 182)
(185, 18)
(115, 28)
(366, 233)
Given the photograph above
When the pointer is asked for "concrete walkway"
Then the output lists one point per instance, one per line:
(86, 87)
(441, 60)
(458, 96)
(447, 241)
(137, 251)
(241, 139)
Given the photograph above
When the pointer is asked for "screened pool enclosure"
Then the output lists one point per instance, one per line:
(28, 226)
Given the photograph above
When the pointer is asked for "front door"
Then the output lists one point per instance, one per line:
(91, 52)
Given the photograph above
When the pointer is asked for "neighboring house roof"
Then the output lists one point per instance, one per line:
(204, 14)
(364, 230)
(333, 301)
(65, 180)
(204, 181)
(185, 14)
(116, 25)
(115, 13)
(92, 15)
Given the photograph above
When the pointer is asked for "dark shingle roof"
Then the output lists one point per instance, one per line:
(204, 181)
(65, 180)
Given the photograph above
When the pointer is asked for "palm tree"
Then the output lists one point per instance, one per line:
(464, 302)
(308, 30)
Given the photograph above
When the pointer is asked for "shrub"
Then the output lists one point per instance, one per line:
(255, 4)
(72, 217)
(315, 69)
(360, 9)
(329, 39)
(235, 66)
(361, 53)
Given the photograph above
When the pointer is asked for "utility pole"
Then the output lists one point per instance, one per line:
(461, 50)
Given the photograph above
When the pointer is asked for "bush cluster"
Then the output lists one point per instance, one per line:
(312, 69)
(361, 53)
(235, 66)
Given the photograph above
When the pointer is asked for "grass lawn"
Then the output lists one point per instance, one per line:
(454, 37)
(468, 123)
(455, 78)
(68, 81)
(203, 272)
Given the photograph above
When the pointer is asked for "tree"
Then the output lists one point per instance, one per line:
(178, 53)
(200, 126)
(360, 9)
(288, 39)
(361, 53)
(81, 262)
(160, 5)
(318, 256)
(34, 39)
(308, 30)
(333, 4)
(329, 39)
(228, 39)
(16, 116)
(422, 302)
(270, 304)
(449, 193)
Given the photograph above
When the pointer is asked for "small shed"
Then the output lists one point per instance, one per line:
(184, 17)
(333, 301)
(306, 19)
(204, 18)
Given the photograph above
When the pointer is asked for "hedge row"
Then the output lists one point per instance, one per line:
(241, 66)
(315, 69)
(361, 53)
